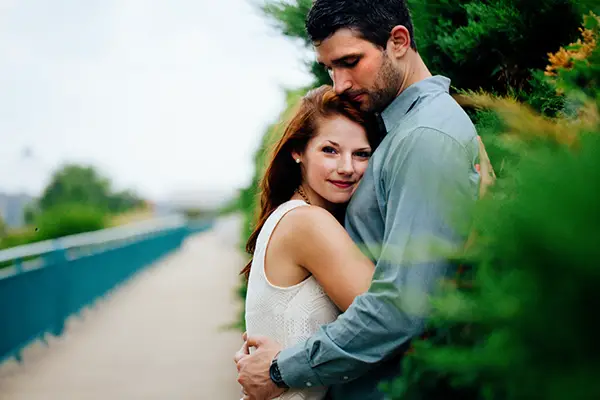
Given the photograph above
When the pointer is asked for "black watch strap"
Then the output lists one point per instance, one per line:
(275, 374)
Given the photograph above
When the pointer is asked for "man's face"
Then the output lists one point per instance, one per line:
(360, 71)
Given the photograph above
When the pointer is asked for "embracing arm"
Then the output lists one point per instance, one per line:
(428, 181)
(321, 245)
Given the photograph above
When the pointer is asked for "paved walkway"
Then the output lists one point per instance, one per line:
(156, 337)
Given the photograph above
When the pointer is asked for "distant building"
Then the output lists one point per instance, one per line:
(12, 208)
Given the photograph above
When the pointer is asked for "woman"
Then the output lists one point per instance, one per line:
(305, 267)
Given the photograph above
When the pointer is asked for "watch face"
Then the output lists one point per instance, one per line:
(274, 372)
(276, 375)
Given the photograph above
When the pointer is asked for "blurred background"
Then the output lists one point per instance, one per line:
(133, 137)
(136, 121)
(163, 102)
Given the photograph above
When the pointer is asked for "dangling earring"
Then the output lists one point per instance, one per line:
(297, 161)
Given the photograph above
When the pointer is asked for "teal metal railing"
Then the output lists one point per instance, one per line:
(52, 280)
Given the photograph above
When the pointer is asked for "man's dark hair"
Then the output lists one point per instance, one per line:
(372, 19)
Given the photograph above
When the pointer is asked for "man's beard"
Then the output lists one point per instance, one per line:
(385, 89)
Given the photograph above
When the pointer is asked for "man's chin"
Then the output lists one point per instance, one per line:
(366, 107)
(362, 105)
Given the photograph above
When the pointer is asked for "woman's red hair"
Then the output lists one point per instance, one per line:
(283, 175)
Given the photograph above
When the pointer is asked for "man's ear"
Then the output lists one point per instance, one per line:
(399, 41)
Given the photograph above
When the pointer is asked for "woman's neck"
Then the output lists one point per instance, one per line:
(337, 210)
(311, 197)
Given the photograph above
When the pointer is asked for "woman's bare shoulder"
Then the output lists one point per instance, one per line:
(309, 227)
(308, 220)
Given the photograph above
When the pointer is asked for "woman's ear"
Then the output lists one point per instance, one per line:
(296, 156)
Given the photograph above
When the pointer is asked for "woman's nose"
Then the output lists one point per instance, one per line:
(345, 166)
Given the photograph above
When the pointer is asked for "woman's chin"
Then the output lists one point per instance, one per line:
(339, 198)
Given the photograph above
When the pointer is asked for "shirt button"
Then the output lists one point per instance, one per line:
(308, 384)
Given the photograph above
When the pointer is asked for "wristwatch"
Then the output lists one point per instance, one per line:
(276, 375)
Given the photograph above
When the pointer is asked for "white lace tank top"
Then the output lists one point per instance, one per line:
(285, 314)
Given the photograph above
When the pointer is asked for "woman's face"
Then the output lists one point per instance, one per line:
(334, 161)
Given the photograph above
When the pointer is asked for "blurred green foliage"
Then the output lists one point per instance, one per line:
(68, 219)
(83, 184)
(2, 227)
(492, 45)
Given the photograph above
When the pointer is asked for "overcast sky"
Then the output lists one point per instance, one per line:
(163, 96)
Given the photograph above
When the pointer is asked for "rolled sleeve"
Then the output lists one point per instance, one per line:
(296, 370)
(427, 189)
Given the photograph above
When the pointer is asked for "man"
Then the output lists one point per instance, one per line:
(421, 182)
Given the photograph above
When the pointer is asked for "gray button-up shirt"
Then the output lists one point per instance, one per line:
(414, 200)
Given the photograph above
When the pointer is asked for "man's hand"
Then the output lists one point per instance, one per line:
(485, 169)
(253, 369)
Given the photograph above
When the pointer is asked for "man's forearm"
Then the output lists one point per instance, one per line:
(374, 328)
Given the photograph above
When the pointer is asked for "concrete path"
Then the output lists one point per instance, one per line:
(157, 337)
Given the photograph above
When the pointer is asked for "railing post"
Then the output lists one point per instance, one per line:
(57, 263)
(18, 265)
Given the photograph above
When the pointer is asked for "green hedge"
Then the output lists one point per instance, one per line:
(69, 219)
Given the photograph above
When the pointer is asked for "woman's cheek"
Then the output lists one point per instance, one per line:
(329, 166)
(361, 167)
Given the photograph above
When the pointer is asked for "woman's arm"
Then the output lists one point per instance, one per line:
(317, 242)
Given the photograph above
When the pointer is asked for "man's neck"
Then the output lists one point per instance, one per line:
(416, 71)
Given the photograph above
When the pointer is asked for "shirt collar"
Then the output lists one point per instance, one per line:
(409, 97)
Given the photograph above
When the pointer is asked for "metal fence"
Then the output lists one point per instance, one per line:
(52, 280)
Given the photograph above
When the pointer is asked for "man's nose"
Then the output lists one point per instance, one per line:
(341, 82)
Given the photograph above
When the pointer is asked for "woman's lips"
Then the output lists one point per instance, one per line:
(342, 184)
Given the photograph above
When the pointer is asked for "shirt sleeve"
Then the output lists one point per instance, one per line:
(428, 188)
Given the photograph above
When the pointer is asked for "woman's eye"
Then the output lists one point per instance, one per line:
(363, 154)
(329, 149)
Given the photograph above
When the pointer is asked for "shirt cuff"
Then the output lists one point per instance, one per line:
(295, 369)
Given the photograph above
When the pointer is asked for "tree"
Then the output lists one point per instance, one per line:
(495, 45)
(77, 184)
(30, 212)
(123, 201)
(83, 184)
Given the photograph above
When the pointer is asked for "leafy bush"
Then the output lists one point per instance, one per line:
(17, 238)
(492, 45)
(68, 219)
